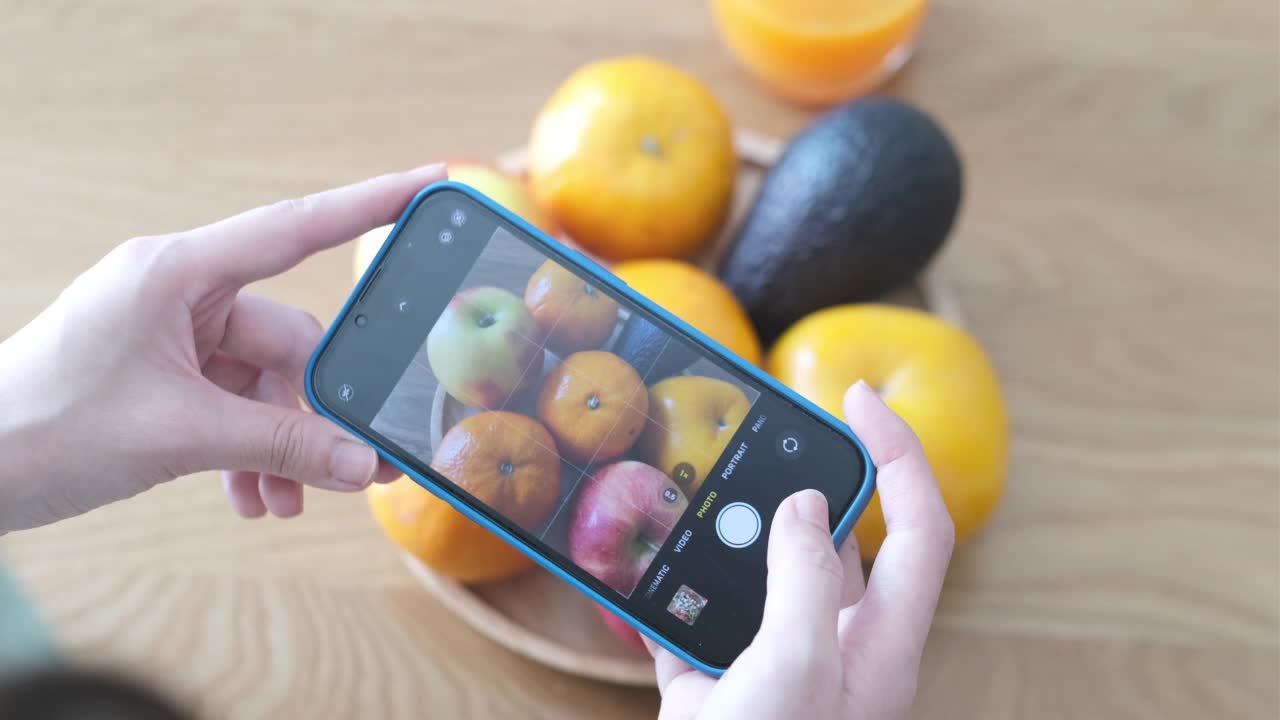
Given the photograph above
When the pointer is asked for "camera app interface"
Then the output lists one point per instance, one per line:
(640, 463)
(577, 419)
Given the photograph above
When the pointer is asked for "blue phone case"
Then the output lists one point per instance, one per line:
(555, 248)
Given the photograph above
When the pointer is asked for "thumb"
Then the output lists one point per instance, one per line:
(288, 442)
(805, 577)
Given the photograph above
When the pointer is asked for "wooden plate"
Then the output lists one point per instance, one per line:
(535, 614)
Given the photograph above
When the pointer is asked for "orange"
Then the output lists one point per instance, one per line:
(574, 314)
(816, 52)
(441, 537)
(935, 375)
(634, 158)
(506, 461)
(594, 404)
(696, 297)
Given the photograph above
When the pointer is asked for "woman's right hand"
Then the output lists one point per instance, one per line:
(832, 645)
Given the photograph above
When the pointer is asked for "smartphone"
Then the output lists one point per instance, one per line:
(615, 445)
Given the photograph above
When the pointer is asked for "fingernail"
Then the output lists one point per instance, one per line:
(811, 507)
(864, 391)
(352, 463)
(431, 169)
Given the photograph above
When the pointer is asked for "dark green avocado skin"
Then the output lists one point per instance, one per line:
(857, 205)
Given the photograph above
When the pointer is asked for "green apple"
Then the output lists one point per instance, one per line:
(507, 190)
(503, 188)
(480, 350)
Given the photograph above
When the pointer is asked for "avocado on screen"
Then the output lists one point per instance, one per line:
(652, 351)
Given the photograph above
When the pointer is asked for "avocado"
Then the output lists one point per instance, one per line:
(644, 346)
(855, 207)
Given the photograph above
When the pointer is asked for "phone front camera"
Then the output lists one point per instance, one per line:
(362, 320)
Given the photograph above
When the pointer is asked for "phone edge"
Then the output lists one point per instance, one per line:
(842, 529)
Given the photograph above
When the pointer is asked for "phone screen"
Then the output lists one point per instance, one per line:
(631, 455)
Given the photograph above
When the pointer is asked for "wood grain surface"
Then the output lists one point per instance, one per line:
(1117, 254)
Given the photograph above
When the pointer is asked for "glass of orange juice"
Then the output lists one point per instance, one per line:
(817, 52)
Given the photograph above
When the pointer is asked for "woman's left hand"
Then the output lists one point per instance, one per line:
(155, 364)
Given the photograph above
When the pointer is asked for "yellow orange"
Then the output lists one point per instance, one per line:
(692, 419)
(935, 375)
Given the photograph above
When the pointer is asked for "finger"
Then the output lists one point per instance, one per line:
(272, 336)
(241, 489)
(855, 583)
(241, 434)
(805, 578)
(386, 473)
(893, 619)
(684, 690)
(651, 646)
(666, 665)
(268, 240)
(231, 373)
(239, 377)
(282, 496)
(252, 494)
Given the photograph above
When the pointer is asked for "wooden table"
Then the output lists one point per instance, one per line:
(1117, 255)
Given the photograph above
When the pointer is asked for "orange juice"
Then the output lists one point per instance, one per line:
(817, 52)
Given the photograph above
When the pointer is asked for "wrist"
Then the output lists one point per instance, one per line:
(26, 422)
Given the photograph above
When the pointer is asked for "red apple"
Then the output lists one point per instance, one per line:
(623, 515)
(621, 629)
